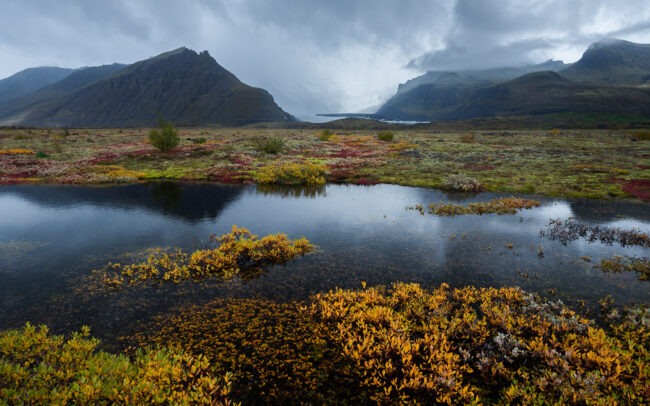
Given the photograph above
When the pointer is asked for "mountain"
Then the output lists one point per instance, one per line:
(613, 61)
(29, 80)
(478, 76)
(183, 86)
(48, 94)
(611, 77)
(532, 94)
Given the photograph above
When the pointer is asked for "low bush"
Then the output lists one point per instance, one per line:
(41, 369)
(467, 139)
(385, 135)
(292, 174)
(268, 145)
(165, 137)
(484, 346)
(461, 182)
(238, 252)
(324, 135)
(642, 135)
(199, 141)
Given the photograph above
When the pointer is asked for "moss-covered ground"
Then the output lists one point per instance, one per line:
(572, 163)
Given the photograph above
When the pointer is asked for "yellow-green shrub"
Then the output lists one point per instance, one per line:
(41, 369)
(472, 346)
(292, 174)
(233, 250)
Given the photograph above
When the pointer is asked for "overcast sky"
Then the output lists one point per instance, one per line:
(316, 56)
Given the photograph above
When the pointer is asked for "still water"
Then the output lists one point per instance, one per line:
(52, 237)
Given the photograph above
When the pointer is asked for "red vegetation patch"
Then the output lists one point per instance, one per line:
(639, 188)
(231, 177)
(364, 181)
(642, 166)
(348, 153)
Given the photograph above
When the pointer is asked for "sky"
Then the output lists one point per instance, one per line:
(316, 56)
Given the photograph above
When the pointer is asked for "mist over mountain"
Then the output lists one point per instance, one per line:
(185, 87)
(611, 77)
(613, 61)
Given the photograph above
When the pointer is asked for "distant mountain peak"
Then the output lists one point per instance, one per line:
(184, 86)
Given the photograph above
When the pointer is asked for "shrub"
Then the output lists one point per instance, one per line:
(165, 137)
(38, 368)
(461, 182)
(238, 252)
(642, 135)
(41, 154)
(385, 135)
(324, 135)
(292, 174)
(199, 141)
(474, 346)
(467, 139)
(268, 145)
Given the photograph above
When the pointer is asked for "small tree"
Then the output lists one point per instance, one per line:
(165, 137)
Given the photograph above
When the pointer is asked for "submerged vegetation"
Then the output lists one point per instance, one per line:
(510, 205)
(522, 161)
(39, 368)
(570, 230)
(238, 252)
(620, 263)
(407, 345)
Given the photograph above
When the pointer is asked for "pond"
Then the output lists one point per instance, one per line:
(52, 237)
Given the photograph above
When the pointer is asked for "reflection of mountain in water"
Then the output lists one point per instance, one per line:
(188, 201)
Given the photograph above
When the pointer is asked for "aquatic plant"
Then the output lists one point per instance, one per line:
(165, 137)
(277, 351)
(461, 182)
(385, 135)
(39, 368)
(472, 346)
(510, 205)
(570, 230)
(292, 174)
(620, 263)
(238, 252)
(268, 145)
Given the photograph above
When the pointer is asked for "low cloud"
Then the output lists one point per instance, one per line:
(316, 56)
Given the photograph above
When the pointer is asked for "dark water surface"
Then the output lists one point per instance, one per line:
(51, 238)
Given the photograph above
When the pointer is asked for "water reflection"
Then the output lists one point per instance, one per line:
(292, 191)
(364, 234)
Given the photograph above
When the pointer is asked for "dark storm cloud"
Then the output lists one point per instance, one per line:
(492, 33)
(315, 56)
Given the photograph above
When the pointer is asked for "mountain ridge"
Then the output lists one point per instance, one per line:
(184, 86)
(610, 77)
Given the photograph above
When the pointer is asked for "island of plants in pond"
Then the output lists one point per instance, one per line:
(236, 253)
